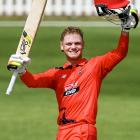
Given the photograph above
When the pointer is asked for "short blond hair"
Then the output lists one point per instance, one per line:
(71, 30)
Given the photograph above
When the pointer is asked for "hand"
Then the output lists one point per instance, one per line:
(129, 19)
(18, 63)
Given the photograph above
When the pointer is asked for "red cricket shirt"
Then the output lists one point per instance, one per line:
(77, 87)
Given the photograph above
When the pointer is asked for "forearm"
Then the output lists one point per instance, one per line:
(122, 48)
(111, 59)
(28, 79)
(39, 80)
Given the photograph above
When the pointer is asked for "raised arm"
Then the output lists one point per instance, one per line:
(111, 59)
(40, 80)
(122, 48)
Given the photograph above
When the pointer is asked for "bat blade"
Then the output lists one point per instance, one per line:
(28, 35)
(31, 27)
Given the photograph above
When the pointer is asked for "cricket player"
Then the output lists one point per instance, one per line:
(77, 83)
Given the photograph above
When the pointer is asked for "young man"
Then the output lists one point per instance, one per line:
(76, 84)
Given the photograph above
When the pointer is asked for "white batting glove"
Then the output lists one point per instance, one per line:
(18, 63)
(130, 19)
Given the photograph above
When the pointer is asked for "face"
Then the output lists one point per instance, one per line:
(72, 45)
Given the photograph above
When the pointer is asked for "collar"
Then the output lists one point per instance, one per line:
(81, 62)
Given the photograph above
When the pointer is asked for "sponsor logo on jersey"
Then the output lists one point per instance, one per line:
(71, 89)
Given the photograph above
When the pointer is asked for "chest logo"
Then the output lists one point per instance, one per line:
(71, 89)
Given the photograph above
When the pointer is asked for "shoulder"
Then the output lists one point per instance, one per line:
(59, 68)
(96, 59)
(55, 69)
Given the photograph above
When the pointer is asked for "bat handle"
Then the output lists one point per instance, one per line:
(12, 82)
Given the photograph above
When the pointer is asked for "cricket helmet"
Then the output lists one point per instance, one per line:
(112, 4)
(111, 7)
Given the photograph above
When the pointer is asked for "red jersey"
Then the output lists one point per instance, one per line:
(77, 86)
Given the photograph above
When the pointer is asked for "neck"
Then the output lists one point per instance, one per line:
(74, 61)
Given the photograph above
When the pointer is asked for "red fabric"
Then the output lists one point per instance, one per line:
(77, 88)
(77, 132)
(112, 4)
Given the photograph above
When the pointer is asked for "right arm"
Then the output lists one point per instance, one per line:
(40, 80)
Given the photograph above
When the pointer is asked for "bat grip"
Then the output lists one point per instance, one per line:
(12, 82)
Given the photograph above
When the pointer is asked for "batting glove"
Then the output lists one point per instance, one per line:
(18, 63)
(129, 19)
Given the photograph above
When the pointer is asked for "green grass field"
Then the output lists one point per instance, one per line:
(30, 114)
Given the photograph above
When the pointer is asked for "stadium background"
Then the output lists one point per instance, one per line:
(31, 113)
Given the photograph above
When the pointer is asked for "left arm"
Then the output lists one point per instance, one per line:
(111, 59)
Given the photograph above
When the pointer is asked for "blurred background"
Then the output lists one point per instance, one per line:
(54, 7)
(31, 114)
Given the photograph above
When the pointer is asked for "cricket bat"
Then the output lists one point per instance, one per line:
(28, 35)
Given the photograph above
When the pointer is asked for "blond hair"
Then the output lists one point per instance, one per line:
(71, 30)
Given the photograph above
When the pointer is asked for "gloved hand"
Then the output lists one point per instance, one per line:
(18, 63)
(129, 19)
